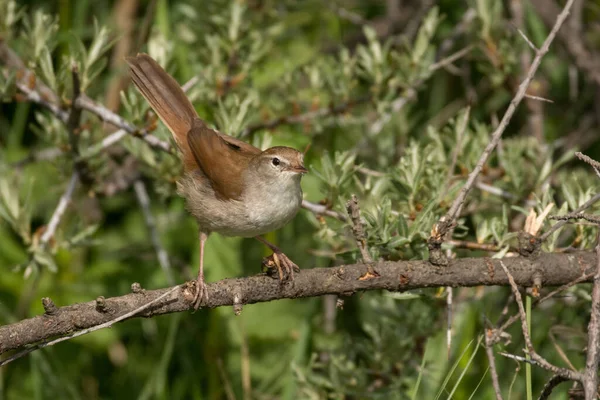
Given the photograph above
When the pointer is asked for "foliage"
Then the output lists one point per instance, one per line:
(383, 117)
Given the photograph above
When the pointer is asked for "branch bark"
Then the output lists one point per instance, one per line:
(556, 269)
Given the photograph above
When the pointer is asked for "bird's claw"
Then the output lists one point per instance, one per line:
(285, 266)
(201, 294)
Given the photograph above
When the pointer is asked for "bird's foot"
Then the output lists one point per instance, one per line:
(285, 266)
(201, 293)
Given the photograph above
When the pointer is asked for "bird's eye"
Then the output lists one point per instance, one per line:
(276, 161)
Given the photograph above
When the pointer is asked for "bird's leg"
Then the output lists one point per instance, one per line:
(201, 288)
(281, 261)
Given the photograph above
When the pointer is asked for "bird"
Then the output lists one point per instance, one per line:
(231, 187)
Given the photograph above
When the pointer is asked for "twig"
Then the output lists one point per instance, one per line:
(49, 100)
(319, 209)
(489, 350)
(590, 382)
(583, 278)
(88, 330)
(163, 258)
(560, 224)
(444, 224)
(103, 144)
(518, 358)
(531, 45)
(112, 118)
(572, 375)
(63, 203)
(545, 100)
(572, 39)
(95, 149)
(484, 187)
(358, 229)
(75, 113)
(550, 385)
(450, 59)
(595, 164)
(595, 219)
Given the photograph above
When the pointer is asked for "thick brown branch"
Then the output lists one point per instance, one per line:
(556, 269)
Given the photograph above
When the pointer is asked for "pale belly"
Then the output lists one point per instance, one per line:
(259, 213)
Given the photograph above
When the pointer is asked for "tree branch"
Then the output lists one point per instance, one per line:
(556, 269)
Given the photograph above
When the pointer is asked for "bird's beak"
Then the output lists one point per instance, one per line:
(299, 169)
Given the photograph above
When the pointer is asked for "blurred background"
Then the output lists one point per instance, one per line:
(393, 100)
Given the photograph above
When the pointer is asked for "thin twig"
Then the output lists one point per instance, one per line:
(319, 209)
(550, 385)
(583, 278)
(545, 100)
(531, 45)
(560, 224)
(82, 102)
(105, 143)
(489, 350)
(358, 229)
(114, 119)
(74, 114)
(572, 375)
(447, 220)
(63, 203)
(595, 219)
(163, 258)
(484, 187)
(518, 358)
(590, 382)
(595, 164)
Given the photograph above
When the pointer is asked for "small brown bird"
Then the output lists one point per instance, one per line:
(231, 187)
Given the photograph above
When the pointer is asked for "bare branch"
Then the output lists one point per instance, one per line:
(50, 101)
(358, 229)
(560, 224)
(590, 382)
(541, 361)
(550, 385)
(595, 219)
(319, 209)
(557, 269)
(489, 350)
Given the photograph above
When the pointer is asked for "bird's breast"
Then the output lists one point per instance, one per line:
(270, 208)
(261, 209)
